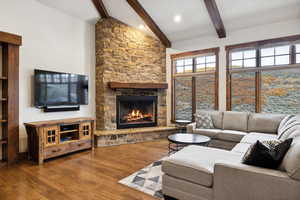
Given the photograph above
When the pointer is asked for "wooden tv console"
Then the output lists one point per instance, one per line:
(48, 139)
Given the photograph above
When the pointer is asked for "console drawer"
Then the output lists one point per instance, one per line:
(61, 149)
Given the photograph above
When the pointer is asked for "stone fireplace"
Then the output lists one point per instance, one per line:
(136, 111)
(127, 55)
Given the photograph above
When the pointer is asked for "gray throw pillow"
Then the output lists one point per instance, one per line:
(204, 121)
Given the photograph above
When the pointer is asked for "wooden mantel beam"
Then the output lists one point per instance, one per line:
(101, 8)
(149, 21)
(215, 16)
(120, 85)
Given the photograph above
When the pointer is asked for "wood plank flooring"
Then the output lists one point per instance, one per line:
(86, 175)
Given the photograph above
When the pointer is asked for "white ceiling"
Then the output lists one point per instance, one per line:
(236, 14)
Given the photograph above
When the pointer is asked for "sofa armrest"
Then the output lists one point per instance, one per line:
(191, 127)
(236, 181)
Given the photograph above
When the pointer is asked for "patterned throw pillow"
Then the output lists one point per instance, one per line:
(204, 121)
(267, 154)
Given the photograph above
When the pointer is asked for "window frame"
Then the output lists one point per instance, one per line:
(292, 41)
(193, 75)
(297, 53)
(243, 58)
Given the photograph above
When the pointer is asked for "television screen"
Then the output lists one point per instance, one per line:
(57, 89)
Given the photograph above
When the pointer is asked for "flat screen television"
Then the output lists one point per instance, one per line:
(59, 89)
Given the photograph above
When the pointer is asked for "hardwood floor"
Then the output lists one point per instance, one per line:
(86, 175)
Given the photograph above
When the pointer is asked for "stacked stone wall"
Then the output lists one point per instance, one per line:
(125, 54)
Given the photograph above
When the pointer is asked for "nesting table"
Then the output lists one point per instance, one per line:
(182, 124)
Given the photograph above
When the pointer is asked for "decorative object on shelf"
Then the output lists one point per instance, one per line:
(48, 139)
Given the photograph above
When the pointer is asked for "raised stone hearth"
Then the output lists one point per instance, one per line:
(125, 54)
(130, 136)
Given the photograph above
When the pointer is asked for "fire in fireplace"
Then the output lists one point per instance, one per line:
(136, 111)
(137, 116)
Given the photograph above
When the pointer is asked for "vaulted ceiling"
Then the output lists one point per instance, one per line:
(196, 20)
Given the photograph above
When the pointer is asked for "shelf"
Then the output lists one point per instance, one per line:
(3, 120)
(69, 131)
(69, 141)
(3, 99)
(3, 78)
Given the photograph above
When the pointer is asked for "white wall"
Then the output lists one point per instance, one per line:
(169, 79)
(52, 41)
(268, 31)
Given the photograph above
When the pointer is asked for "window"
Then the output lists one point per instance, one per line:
(280, 91)
(269, 81)
(183, 96)
(206, 63)
(184, 65)
(275, 56)
(205, 92)
(243, 91)
(242, 59)
(298, 53)
(195, 80)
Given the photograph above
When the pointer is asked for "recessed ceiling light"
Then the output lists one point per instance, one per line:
(142, 27)
(177, 18)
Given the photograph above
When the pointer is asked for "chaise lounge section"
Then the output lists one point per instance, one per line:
(208, 173)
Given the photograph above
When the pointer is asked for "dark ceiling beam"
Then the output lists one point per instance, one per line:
(101, 8)
(215, 17)
(149, 21)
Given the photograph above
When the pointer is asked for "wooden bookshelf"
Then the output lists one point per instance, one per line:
(9, 98)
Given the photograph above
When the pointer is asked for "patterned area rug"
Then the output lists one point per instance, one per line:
(147, 180)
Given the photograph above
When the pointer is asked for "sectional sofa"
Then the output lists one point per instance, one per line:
(217, 173)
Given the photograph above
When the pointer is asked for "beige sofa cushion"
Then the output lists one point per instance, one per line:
(291, 161)
(289, 128)
(212, 133)
(217, 117)
(230, 135)
(241, 148)
(196, 163)
(251, 138)
(283, 126)
(265, 123)
(235, 121)
(221, 144)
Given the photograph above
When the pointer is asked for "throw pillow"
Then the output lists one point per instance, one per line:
(285, 122)
(204, 121)
(287, 126)
(267, 154)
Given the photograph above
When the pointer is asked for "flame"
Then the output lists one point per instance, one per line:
(136, 115)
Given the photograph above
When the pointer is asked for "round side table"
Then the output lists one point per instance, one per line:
(179, 140)
(182, 124)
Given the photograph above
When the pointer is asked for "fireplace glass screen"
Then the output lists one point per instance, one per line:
(136, 111)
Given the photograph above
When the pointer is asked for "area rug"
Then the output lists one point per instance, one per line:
(147, 180)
